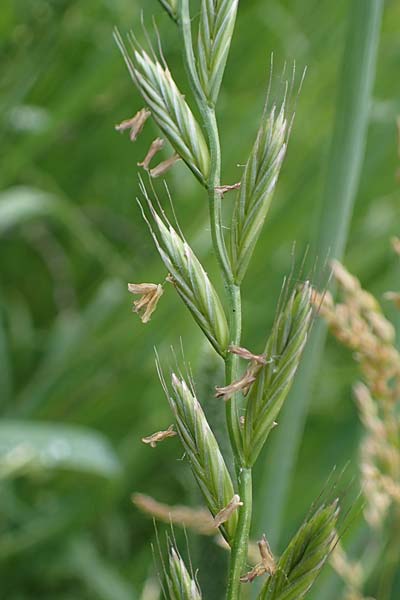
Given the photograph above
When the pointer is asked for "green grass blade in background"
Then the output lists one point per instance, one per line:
(32, 446)
(343, 175)
(69, 334)
(5, 364)
(20, 204)
(101, 578)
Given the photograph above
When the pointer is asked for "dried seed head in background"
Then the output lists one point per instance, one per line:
(357, 322)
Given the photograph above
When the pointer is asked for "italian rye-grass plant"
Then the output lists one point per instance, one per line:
(256, 385)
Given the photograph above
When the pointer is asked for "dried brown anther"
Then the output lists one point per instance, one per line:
(134, 124)
(159, 436)
(247, 355)
(155, 147)
(267, 564)
(257, 361)
(241, 385)
(164, 166)
(222, 189)
(151, 293)
(227, 511)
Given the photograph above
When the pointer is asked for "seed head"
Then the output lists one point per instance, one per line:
(181, 585)
(190, 279)
(274, 379)
(204, 454)
(169, 107)
(257, 187)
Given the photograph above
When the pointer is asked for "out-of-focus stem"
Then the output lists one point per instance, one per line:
(344, 168)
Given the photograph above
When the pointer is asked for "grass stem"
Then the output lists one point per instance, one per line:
(239, 550)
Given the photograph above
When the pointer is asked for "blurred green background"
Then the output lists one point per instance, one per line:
(78, 387)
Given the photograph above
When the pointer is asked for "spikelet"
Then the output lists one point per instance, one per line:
(181, 585)
(285, 346)
(168, 107)
(258, 186)
(203, 452)
(304, 557)
(171, 7)
(191, 281)
(217, 21)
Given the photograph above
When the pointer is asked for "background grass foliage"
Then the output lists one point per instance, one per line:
(77, 376)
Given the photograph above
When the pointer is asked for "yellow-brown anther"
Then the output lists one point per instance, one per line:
(135, 124)
(267, 564)
(257, 361)
(164, 166)
(241, 385)
(150, 294)
(222, 189)
(267, 558)
(155, 147)
(159, 436)
(227, 511)
(257, 571)
(247, 355)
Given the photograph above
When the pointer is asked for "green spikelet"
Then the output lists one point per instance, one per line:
(283, 351)
(257, 187)
(168, 107)
(217, 22)
(171, 7)
(191, 281)
(203, 452)
(181, 586)
(304, 557)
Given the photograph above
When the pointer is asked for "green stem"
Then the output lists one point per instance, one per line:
(214, 197)
(211, 127)
(207, 110)
(232, 368)
(240, 545)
